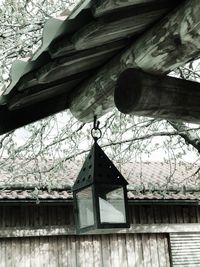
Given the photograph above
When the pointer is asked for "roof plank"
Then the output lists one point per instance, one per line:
(10, 120)
(105, 31)
(104, 7)
(78, 62)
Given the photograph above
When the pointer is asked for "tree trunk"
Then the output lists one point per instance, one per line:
(157, 96)
(169, 44)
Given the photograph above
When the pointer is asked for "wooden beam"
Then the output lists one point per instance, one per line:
(79, 62)
(157, 96)
(8, 232)
(66, 67)
(117, 27)
(169, 44)
(104, 7)
(10, 120)
(163, 228)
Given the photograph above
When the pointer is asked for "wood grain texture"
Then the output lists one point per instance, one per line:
(157, 96)
(32, 243)
(102, 32)
(55, 220)
(171, 43)
(49, 252)
(104, 7)
(79, 62)
(9, 232)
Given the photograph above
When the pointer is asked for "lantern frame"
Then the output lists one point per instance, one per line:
(99, 172)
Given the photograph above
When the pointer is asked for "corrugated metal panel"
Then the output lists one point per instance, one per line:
(185, 249)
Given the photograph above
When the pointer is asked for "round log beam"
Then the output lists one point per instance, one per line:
(157, 96)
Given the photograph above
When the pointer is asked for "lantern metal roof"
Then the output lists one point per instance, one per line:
(73, 50)
(98, 169)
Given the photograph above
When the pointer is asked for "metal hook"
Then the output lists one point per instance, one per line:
(96, 123)
(96, 130)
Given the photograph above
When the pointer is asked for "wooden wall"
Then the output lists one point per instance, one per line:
(132, 250)
(35, 215)
(45, 215)
(123, 250)
(147, 214)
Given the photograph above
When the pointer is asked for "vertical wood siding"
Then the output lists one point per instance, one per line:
(117, 250)
(46, 215)
(132, 250)
(164, 214)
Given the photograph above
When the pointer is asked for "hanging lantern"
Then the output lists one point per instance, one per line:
(100, 194)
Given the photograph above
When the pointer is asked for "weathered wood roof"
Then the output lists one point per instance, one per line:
(74, 48)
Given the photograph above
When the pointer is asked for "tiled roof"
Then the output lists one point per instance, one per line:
(160, 174)
(21, 194)
(147, 180)
(67, 195)
(164, 195)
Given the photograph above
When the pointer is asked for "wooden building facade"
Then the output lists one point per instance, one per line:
(43, 235)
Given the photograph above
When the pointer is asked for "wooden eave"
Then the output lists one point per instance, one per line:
(78, 46)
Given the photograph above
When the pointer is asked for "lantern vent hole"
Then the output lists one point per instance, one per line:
(90, 166)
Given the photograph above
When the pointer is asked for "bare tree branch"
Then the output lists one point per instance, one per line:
(190, 138)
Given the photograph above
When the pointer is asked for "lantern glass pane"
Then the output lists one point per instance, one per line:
(112, 206)
(85, 207)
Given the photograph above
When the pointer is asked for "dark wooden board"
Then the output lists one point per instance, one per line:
(10, 120)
